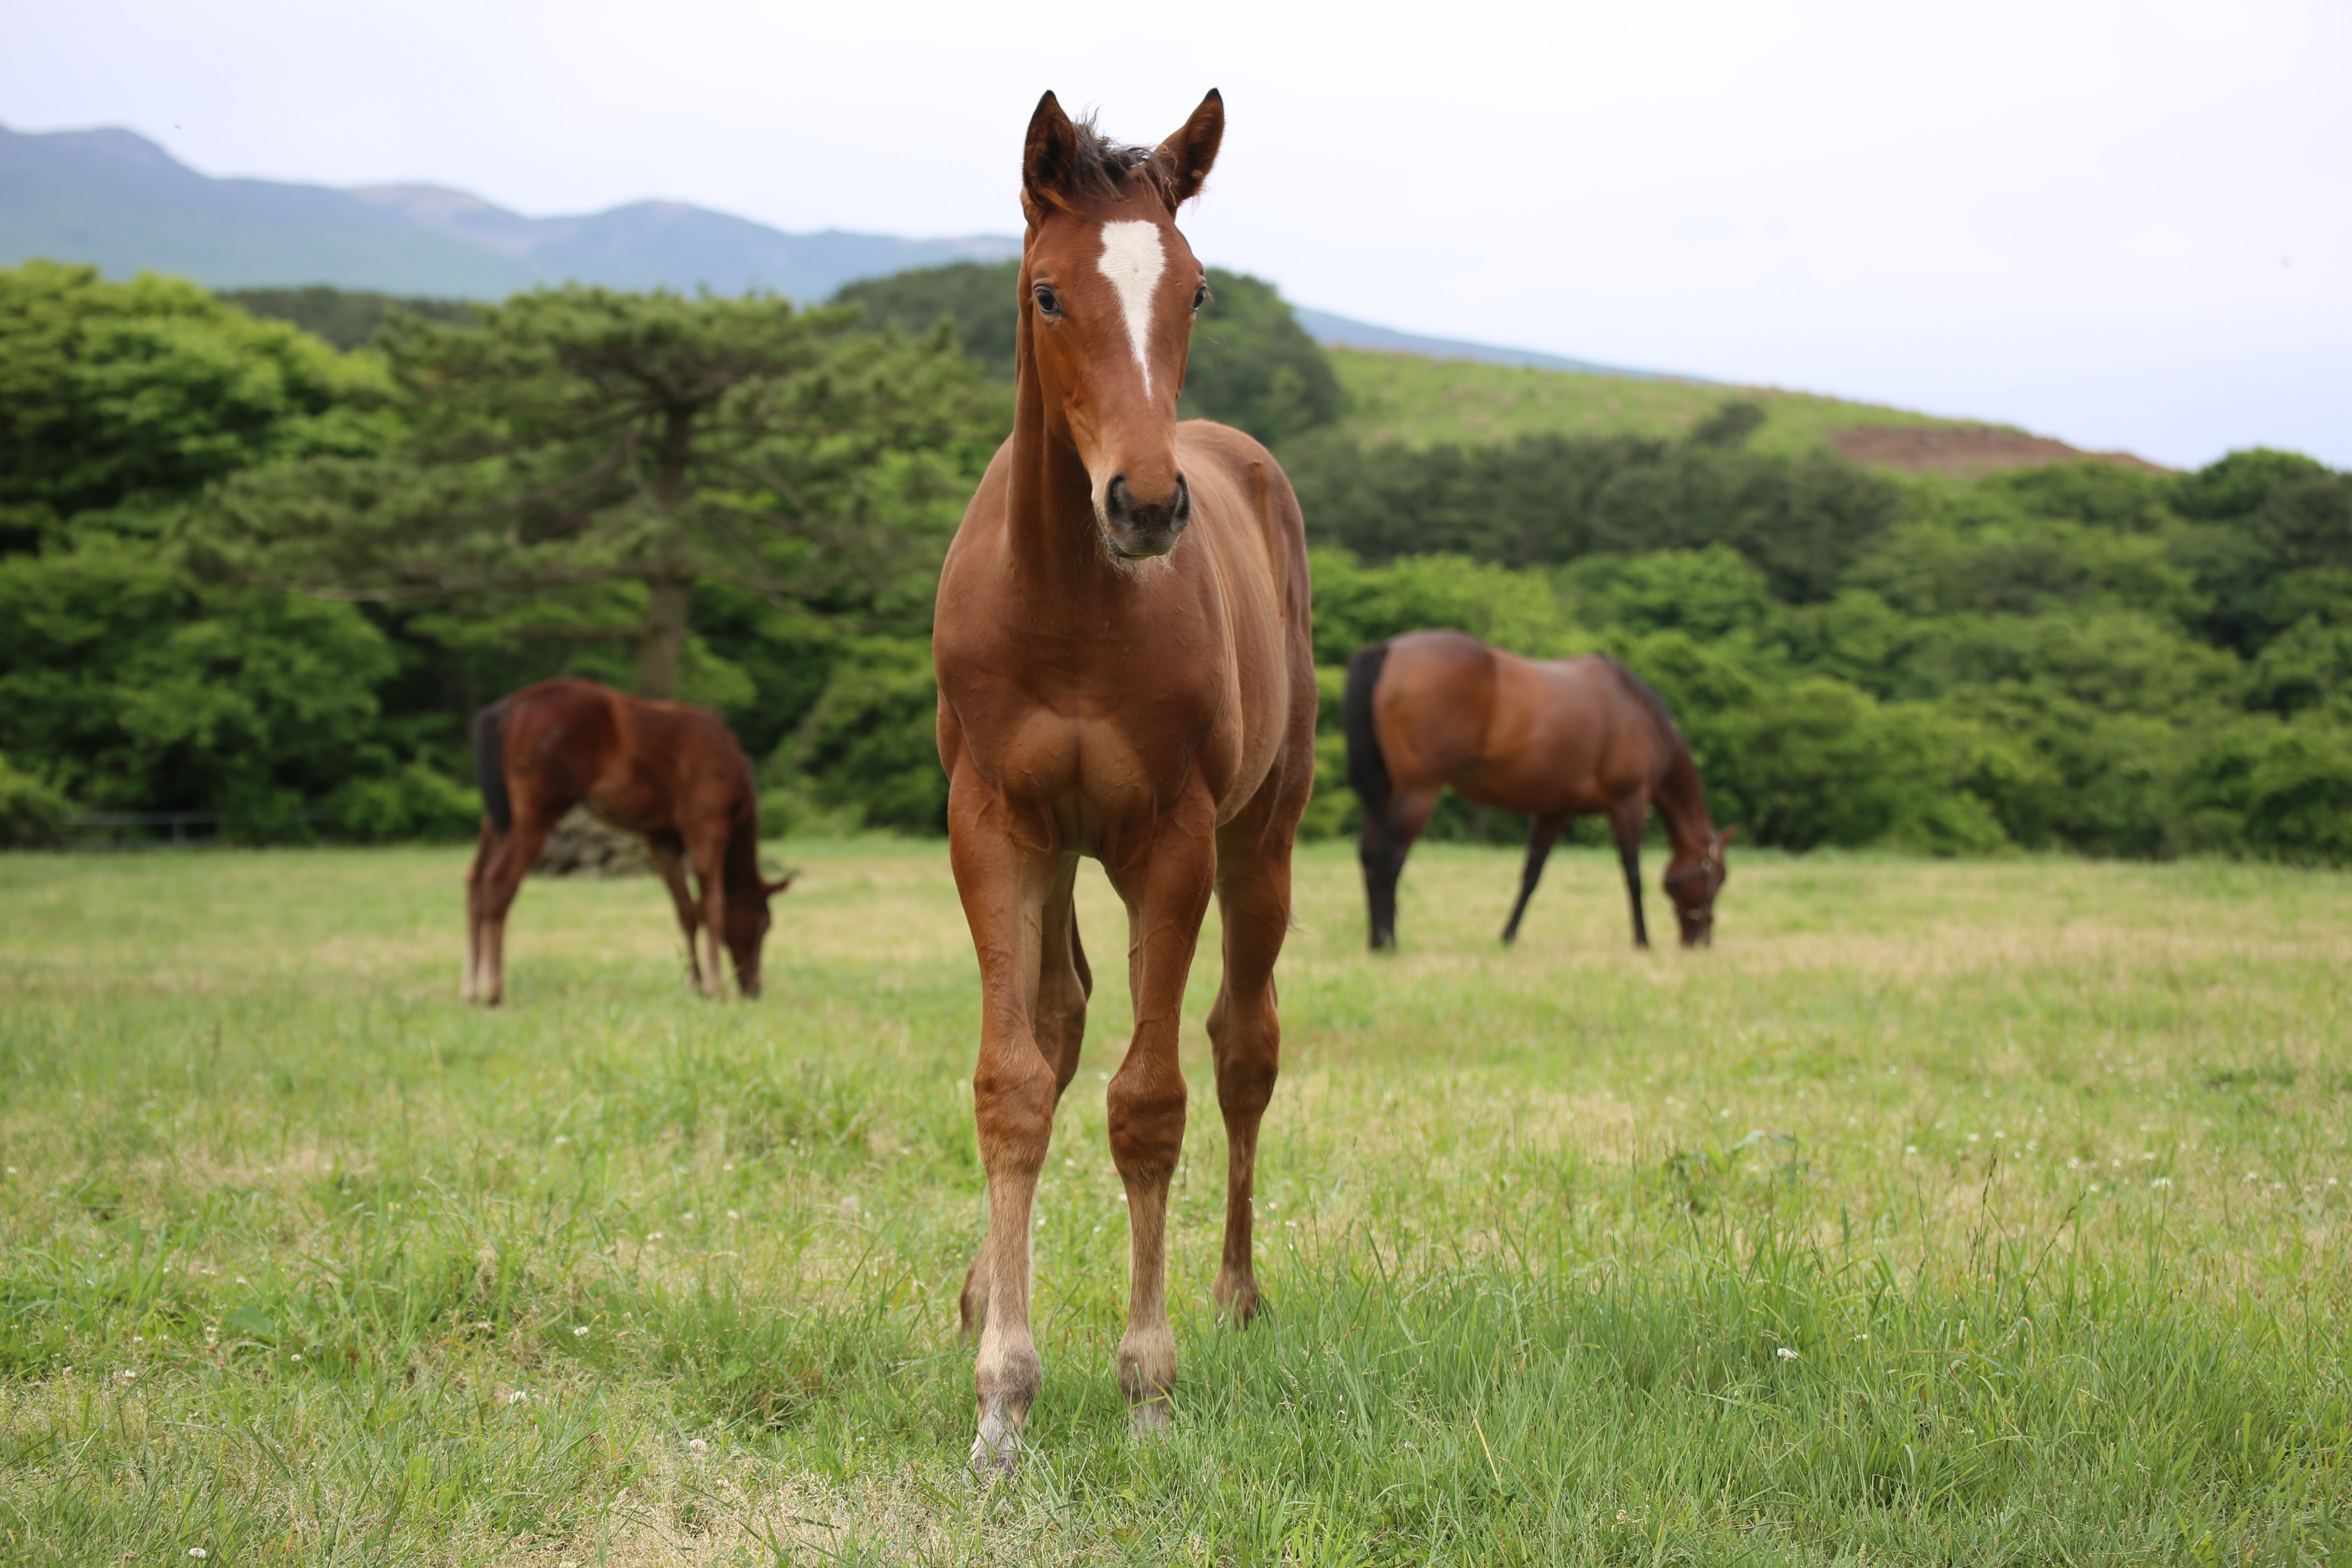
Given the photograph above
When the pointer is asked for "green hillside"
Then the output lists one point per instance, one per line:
(1397, 398)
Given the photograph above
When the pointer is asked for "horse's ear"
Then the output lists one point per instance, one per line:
(1727, 835)
(1189, 154)
(769, 888)
(1048, 157)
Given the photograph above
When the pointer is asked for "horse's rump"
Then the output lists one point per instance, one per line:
(1367, 770)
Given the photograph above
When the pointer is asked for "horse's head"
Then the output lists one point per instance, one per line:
(1108, 291)
(748, 919)
(1692, 881)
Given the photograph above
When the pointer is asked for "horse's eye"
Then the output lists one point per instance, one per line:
(1048, 301)
(1200, 297)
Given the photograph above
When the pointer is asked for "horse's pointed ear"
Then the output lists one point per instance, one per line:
(1192, 153)
(1049, 156)
(1727, 835)
(769, 888)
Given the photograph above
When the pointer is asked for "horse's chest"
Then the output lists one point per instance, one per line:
(1112, 750)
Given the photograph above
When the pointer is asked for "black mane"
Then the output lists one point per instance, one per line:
(1650, 701)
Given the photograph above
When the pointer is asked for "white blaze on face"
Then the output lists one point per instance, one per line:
(1133, 259)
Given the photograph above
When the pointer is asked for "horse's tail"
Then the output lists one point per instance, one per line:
(1368, 771)
(491, 763)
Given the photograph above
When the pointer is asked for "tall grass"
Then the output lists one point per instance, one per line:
(1941, 1212)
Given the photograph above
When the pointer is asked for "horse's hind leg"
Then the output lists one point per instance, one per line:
(1245, 1035)
(469, 989)
(1540, 837)
(1627, 819)
(510, 861)
(1382, 848)
(1058, 1016)
(668, 854)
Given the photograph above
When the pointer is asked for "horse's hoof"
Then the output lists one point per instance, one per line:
(995, 1453)
(1150, 1418)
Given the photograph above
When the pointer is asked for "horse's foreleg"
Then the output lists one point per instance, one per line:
(1060, 1021)
(669, 861)
(1005, 887)
(1245, 1041)
(1165, 888)
(1627, 819)
(711, 870)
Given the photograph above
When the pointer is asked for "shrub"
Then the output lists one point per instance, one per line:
(32, 814)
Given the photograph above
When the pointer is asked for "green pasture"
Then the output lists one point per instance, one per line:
(1421, 402)
(1953, 1213)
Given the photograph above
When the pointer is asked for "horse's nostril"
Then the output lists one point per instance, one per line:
(1180, 509)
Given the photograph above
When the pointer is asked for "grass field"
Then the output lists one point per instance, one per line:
(1943, 1213)
(1423, 401)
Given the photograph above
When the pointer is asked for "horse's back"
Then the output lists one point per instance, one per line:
(1572, 736)
(645, 766)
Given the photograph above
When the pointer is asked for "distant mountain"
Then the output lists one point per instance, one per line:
(1339, 331)
(116, 200)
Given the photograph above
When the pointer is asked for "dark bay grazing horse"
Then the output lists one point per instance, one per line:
(671, 772)
(1563, 738)
(1124, 673)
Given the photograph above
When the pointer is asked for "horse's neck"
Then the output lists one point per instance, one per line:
(1682, 803)
(1058, 555)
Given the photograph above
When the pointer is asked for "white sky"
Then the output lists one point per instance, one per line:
(2125, 225)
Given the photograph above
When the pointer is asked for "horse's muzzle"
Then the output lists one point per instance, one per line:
(1136, 530)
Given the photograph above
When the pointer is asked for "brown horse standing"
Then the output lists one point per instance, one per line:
(669, 771)
(1124, 673)
(1565, 738)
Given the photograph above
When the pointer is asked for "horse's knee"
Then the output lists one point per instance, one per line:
(1012, 1111)
(1147, 1120)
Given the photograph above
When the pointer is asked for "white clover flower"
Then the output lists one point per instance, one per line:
(2161, 1182)
(579, 1331)
(698, 1446)
(653, 1235)
(1785, 1353)
(198, 1552)
(733, 1214)
(1910, 1148)
(519, 1396)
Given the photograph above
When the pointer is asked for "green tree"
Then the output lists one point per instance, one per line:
(347, 318)
(118, 401)
(124, 682)
(578, 438)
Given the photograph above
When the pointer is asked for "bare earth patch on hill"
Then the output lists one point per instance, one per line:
(1966, 450)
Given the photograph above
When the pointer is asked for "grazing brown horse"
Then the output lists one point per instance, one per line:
(1563, 738)
(669, 771)
(1124, 673)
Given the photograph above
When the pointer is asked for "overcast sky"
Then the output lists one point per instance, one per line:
(2122, 225)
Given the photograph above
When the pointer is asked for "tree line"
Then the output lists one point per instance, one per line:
(244, 570)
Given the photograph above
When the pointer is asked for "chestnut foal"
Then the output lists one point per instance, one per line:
(1124, 673)
(669, 771)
